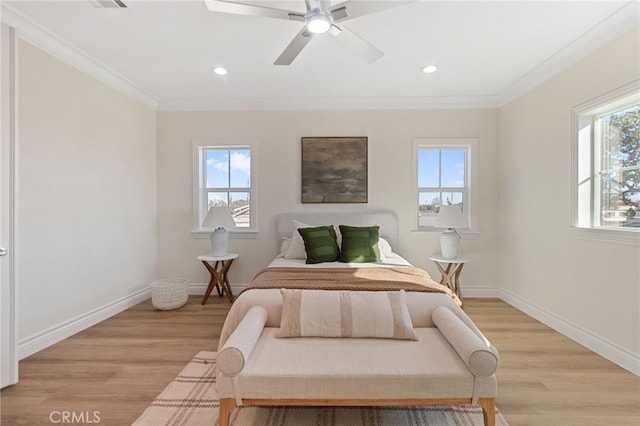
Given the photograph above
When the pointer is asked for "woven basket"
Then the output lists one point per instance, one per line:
(170, 293)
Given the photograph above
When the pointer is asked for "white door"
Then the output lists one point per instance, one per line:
(9, 350)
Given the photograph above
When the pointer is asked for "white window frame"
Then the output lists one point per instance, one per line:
(470, 190)
(584, 220)
(200, 195)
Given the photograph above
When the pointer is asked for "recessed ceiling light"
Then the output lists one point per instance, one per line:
(220, 70)
(429, 69)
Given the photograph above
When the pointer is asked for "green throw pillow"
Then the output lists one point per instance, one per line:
(320, 244)
(360, 244)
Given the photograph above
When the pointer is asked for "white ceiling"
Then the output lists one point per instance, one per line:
(163, 52)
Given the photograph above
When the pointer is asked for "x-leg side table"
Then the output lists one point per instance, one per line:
(450, 270)
(218, 267)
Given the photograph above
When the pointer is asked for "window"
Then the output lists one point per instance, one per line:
(223, 176)
(607, 162)
(442, 176)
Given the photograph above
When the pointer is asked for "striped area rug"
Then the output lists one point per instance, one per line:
(191, 400)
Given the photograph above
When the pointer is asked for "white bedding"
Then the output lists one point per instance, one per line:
(392, 260)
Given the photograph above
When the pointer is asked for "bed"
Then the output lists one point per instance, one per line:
(350, 331)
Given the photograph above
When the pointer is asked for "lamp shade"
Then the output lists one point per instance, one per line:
(450, 216)
(218, 217)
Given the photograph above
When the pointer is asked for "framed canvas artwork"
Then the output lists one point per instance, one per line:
(334, 169)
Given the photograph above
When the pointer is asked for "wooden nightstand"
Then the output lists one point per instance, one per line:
(218, 267)
(450, 270)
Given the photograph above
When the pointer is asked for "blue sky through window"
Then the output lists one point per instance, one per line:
(228, 168)
(441, 168)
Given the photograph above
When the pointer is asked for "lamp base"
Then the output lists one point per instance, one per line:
(219, 240)
(449, 243)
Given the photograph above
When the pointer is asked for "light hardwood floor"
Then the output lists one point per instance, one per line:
(118, 367)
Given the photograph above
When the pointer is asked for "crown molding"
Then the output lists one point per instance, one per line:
(33, 33)
(329, 103)
(40, 37)
(615, 25)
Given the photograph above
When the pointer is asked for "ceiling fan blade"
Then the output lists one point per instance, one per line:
(339, 14)
(297, 17)
(357, 8)
(294, 48)
(356, 44)
(226, 6)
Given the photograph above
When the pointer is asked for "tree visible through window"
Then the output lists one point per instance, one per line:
(608, 163)
(620, 168)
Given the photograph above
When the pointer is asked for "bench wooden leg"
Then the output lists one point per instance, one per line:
(226, 406)
(488, 410)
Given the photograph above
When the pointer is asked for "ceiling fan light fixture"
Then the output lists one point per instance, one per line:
(319, 23)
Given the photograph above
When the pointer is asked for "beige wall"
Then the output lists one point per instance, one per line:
(89, 196)
(590, 288)
(86, 192)
(278, 136)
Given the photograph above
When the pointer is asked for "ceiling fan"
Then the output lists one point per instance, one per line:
(321, 17)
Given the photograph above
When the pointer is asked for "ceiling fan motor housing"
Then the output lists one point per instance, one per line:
(319, 22)
(320, 17)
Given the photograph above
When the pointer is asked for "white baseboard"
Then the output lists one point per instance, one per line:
(198, 289)
(480, 292)
(42, 340)
(39, 341)
(604, 348)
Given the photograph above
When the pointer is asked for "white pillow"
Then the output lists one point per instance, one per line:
(296, 248)
(341, 313)
(384, 247)
(286, 243)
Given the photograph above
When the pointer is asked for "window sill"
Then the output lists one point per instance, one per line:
(618, 236)
(233, 235)
(464, 234)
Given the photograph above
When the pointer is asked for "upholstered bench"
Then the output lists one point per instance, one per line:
(450, 362)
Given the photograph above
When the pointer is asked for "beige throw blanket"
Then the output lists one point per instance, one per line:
(369, 279)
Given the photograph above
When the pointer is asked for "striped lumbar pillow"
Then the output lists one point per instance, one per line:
(328, 313)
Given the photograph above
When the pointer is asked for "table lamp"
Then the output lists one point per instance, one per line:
(450, 217)
(219, 218)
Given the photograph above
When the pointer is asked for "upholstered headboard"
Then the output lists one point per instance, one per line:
(387, 221)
